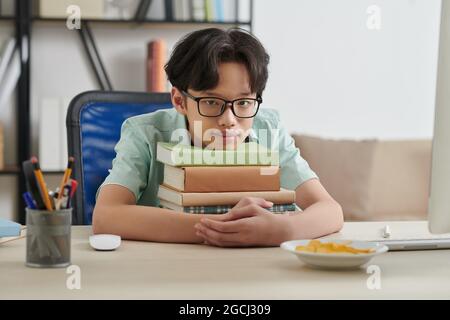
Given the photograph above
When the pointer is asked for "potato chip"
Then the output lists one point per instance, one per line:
(317, 246)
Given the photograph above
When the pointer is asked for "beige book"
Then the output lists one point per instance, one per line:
(222, 198)
(221, 179)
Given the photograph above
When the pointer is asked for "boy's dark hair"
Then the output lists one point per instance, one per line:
(195, 60)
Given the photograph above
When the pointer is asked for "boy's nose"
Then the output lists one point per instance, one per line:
(227, 119)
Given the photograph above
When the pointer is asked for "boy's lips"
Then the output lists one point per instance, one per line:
(228, 134)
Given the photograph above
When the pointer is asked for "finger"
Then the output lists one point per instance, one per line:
(222, 244)
(223, 226)
(259, 201)
(213, 235)
(250, 210)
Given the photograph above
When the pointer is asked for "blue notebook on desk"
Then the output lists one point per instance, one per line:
(9, 228)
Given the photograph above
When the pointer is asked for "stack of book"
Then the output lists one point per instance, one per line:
(206, 181)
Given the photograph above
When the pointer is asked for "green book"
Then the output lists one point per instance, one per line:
(209, 10)
(246, 154)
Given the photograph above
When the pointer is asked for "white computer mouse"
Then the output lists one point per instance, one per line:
(104, 242)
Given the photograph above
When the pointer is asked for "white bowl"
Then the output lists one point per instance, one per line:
(335, 260)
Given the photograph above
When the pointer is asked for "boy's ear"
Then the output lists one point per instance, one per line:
(178, 101)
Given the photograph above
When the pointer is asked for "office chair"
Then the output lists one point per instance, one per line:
(93, 121)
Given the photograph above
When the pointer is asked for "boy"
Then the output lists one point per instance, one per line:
(231, 67)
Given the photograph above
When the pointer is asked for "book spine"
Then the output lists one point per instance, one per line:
(230, 179)
(198, 10)
(209, 10)
(224, 209)
(219, 10)
(168, 5)
(232, 198)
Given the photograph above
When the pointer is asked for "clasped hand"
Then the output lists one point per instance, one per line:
(247, 224)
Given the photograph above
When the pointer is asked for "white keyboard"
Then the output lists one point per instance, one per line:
(404, 235)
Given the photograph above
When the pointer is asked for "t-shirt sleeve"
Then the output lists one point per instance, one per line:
(294, 169)
(130, 167)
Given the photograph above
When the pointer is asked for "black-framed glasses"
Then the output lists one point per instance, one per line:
(214, 107)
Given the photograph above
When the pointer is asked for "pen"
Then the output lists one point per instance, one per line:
(28, 200)
(74, 185)
(73, 188)
(66, 176)
(41, 182)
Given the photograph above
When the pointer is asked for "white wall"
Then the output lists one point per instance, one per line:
(329, 74)
(332, 76)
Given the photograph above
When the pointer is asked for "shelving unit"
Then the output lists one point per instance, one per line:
(24, 21)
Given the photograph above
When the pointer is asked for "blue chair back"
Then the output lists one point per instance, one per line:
(94, 120)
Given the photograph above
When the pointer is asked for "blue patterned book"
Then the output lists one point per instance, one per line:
(276, 208)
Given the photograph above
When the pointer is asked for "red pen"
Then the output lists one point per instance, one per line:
(73, 187)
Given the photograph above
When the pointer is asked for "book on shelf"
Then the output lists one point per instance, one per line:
(58, 8)
(185, 199)
(219, 10)
(276, 208)
(181, 11)
(168, 8)
(209, 10)
(229, 10)
(220, 179)
(243, 10)
(250, 153)
(156, 58)
(198, 10)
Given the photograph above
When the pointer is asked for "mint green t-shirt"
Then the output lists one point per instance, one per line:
(136, 168)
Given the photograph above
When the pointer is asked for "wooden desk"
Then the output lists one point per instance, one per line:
(143, 270)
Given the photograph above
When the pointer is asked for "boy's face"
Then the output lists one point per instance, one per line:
(225, 131)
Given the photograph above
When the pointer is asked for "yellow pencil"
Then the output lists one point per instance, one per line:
(66, 176)
(41, 182)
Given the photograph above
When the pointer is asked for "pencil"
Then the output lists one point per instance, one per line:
(41, 182)
(66, 176)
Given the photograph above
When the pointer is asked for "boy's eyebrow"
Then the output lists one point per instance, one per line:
(220, 96)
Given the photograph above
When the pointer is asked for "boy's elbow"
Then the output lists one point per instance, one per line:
(98, 220)
(339, 214)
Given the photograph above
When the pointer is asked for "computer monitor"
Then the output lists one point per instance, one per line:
(439, 196)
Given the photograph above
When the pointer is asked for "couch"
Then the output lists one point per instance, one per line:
(372, 179)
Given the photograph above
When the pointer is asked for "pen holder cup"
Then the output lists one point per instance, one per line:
(48, 238)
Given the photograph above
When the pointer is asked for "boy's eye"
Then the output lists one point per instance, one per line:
(212, 102)
(244, 103)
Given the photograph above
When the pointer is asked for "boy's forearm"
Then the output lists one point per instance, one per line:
(319, 219)
(147, 223)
